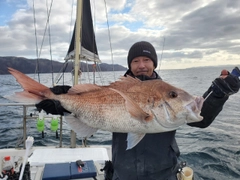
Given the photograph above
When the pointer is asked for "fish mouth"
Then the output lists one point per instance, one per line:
(170, 121)
(191, 114)
(194, 110)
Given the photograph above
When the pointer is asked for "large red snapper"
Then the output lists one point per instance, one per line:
(128, 105)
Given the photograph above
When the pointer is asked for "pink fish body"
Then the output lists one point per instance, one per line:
(128, 105)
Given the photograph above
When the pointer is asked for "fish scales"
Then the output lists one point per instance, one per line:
(105, 109)
(127, 105)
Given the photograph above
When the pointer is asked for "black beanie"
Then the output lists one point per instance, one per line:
(142, 48)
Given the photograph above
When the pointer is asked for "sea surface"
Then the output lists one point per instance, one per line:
(213, 153)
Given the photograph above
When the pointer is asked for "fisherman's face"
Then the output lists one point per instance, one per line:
(142, 65)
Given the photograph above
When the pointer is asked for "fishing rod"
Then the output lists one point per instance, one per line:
(159, 67)
(236, 72)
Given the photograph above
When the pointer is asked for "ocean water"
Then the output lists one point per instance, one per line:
(213, 153)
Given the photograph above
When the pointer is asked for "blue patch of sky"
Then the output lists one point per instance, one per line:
(7, 9)
(126, 9)
(134, 26)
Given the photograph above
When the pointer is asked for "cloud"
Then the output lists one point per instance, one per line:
(190, 33)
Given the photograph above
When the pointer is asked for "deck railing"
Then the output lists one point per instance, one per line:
(25, 117)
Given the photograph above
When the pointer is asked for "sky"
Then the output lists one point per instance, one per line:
(186, 33)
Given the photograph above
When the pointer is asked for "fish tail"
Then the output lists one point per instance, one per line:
(33, 91)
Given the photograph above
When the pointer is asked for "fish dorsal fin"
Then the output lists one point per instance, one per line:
(133, 139)
(81, 88)
(129, 79)
(134, 109)
(125, 82)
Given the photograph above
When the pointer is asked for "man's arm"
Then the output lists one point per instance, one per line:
(217, 94)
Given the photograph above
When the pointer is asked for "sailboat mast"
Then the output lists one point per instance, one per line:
(78, 31)
(77, 55)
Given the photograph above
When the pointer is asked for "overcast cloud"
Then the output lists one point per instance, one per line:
(189, 33)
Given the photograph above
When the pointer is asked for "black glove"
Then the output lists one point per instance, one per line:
(54, 106)
(227, 85)
(51, 106)
(60, 89)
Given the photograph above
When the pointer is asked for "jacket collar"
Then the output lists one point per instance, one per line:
(143, 77)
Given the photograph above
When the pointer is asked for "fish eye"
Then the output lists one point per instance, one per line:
(173, 94)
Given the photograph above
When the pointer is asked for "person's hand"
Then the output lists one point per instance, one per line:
(227, 84)
(54, 106)
(51, 106)
(60, 89)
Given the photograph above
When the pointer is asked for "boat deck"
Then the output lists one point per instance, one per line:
(40, 156)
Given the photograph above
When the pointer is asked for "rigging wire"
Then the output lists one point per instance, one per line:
(93, 69)
(99, 71)
(109, 38)
(62, 71)
(70, 25)
(60, 75)
(70, 38)
(38, 51)
(65, 65)
(36, 42)
(50, 45)
(45, 30)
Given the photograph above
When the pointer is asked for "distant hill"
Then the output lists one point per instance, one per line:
(28, 66)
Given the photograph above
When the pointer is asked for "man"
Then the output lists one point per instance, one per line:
(155, 156)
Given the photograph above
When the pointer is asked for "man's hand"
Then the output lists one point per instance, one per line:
(54, 106)
(227, 84)
(51, 106)
(60, 89)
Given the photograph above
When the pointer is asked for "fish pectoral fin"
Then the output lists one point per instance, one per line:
(134, 109)
(133, 139)
(79, 127)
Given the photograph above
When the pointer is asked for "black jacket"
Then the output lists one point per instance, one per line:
(155, 156)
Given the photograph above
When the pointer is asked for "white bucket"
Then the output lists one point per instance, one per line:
(187, 173)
